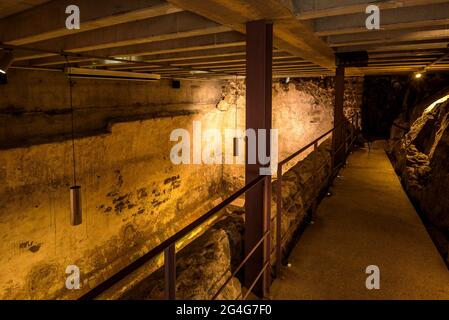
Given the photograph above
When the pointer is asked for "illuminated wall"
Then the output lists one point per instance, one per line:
(133, 196)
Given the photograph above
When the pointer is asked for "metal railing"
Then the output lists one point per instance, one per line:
(168, 247)
(347, 143)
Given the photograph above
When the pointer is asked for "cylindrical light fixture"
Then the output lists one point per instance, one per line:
(75, 204)
(6, 60)
(236, 147)
(75, 191)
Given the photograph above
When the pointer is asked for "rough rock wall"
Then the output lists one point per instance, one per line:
(421, 159)
(302, 111)
(394, 99)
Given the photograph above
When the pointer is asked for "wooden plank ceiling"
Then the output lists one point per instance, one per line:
(205, 38)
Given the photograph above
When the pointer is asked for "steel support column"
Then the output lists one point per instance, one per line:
(259, 53)
(338, 138)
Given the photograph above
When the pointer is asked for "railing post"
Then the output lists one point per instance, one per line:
(267, 241)
(332, 157)
(170, 272)
(315, 182)
(352, 130)
(337, 139)
(278, 220)
(346, 137)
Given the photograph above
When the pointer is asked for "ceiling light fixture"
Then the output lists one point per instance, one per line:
(6, 59)
(198, 71)
(86, 73)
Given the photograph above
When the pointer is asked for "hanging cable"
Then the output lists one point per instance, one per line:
(72, 123)
(75, 190)
(236, 138)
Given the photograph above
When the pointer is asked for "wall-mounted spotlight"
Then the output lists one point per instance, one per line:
(418, 75)
(6, 59)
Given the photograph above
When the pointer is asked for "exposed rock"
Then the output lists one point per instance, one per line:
(397, 100)
(421, 159)
(202, 269)
(234, 226)
(300, 187)
(303, 110)
(205, 264)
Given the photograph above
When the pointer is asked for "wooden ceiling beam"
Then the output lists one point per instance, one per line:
(431, 15)
(386, 37)
(314, 9)
(290, 34)
(219, 57)
(47, 21)
(163, 28)
(405, 46)
(183, 45)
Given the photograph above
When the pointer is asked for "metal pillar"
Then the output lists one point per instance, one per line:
(338, 138)
(259, 54)
(170, 272)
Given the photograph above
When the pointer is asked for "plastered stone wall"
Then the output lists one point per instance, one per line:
(35, 105)
(133, 199)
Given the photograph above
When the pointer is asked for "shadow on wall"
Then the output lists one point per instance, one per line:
(35, 105)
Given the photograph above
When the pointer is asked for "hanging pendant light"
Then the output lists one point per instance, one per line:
(236, 152)
(75, 190)
(75, 206)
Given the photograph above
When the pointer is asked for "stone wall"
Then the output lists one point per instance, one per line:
(421, 158)
(392, 100)
(202, 269)
(302, 111)
(206, 264)
(133, 197)
(301, 186)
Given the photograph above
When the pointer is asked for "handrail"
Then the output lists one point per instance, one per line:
(168, 245)
(297, 153)
(240, 266)
(159, 249)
